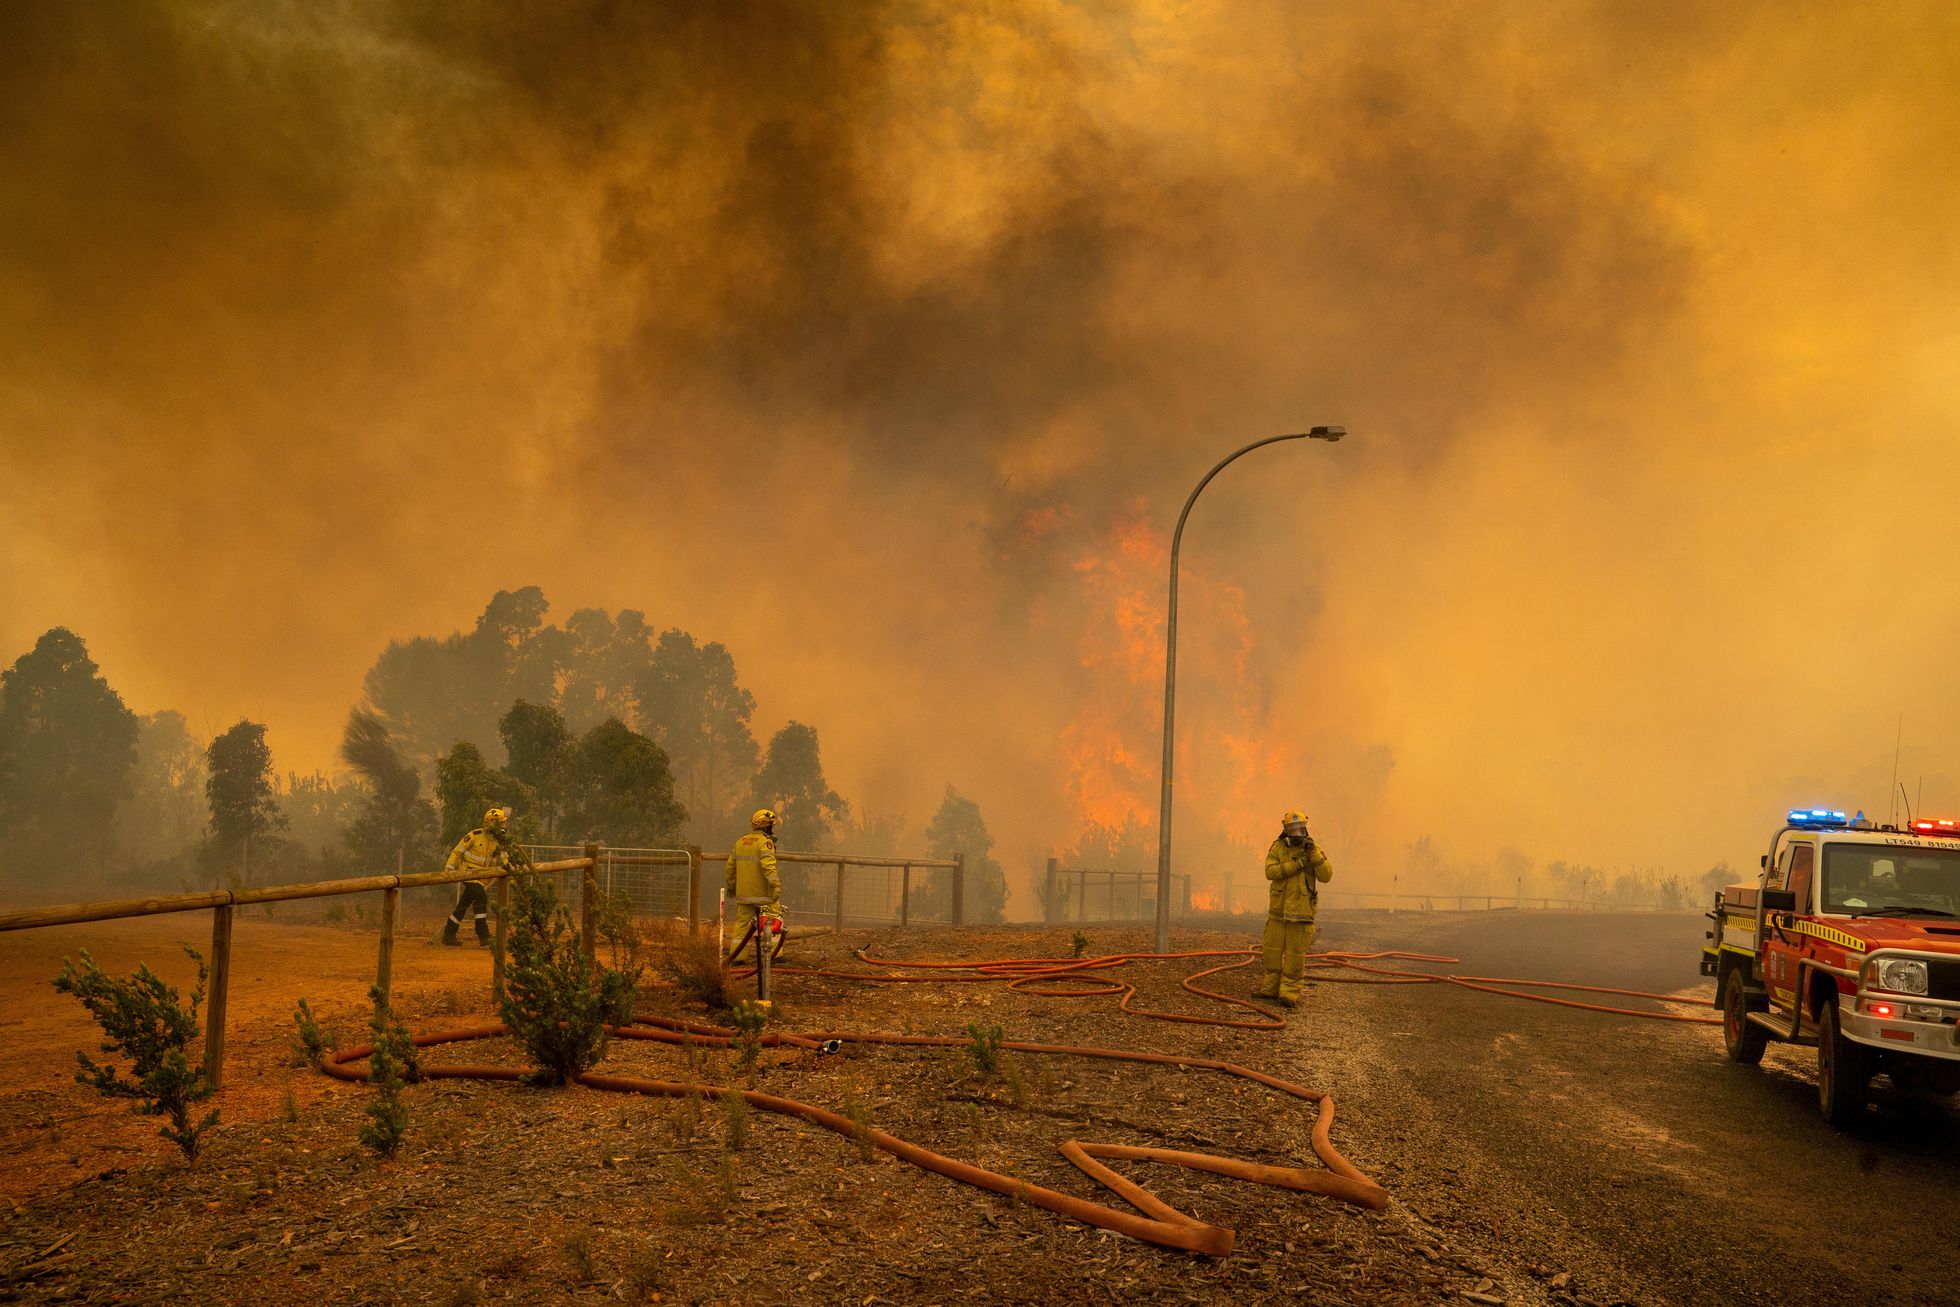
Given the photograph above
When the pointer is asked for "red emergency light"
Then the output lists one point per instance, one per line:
(1941, 826)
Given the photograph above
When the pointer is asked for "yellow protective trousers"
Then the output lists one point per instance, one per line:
(745, 915)
(1284, 955)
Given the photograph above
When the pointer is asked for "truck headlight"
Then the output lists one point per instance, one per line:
(1901, 975)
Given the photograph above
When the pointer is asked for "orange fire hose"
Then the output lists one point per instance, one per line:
(1495, 984)
(1160, 1223)
(1022, 973)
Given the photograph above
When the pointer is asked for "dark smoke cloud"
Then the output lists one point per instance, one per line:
(857, 336)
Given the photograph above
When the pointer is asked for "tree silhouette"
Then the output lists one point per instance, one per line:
(792, 782)
(67, 750)
(958, 830)
(397, 821)
(240, 791)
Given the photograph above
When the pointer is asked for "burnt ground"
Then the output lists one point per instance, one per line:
(1534, 1154)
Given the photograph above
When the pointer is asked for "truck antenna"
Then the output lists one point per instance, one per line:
(1908, 802)
(1898, 738)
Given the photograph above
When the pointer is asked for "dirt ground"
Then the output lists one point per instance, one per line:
(1533, 1154)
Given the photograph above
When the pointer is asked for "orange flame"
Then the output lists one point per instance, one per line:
(1234, 764)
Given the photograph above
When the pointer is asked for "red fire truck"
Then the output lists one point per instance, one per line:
(1848, 941)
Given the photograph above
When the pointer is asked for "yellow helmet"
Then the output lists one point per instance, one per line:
(764, 818)
(1292, 819)
(495, 817)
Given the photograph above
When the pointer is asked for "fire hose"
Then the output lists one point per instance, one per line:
(1159, 1223)
(1021, 973)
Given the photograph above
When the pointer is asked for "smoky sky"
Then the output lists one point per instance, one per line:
(863, 338)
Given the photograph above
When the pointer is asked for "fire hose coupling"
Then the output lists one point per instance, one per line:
(830, 1046)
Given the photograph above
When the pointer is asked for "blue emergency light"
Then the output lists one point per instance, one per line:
(1818, 818)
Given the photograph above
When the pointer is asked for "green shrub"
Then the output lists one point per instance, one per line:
(1079, 945)
(985, 1047)
(310, 1042)
(749, 1019)
(394, 1063)
(143, 1020)
(558, 1003)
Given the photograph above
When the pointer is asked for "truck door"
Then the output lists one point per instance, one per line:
(1782, 948)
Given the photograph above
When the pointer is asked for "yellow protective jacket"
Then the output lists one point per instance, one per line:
(478, 851)
(752, 869)
(1295, 876)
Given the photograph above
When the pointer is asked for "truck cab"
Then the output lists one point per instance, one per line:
(1848, 941)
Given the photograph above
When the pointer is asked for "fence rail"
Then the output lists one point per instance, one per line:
(592, 860)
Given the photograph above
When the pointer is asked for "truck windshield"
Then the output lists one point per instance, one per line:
(1894, 881)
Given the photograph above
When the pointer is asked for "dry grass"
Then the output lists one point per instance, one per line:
(859, 1113)
(692, 963)
(577, 1248)
(646, 1270)
(735, 1119)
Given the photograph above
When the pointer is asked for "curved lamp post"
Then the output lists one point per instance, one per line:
(1329, 434)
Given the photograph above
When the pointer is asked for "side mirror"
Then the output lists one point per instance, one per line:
(1780, 900)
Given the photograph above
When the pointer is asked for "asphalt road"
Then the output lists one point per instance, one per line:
(1532, 1141)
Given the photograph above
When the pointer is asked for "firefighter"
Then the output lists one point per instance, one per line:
(489, 845)
(752, 875)
(1295, 870)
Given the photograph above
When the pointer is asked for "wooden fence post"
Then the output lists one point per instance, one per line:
(497, 939)
(1187, 895)
(959, 889)
(384, 966)
(1082, 895)
(214, 998)
(589, 908)
(837, 921)
(905, 897)
(1049, 910)
(693, 888)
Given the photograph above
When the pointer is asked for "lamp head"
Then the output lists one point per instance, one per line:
(1329, 434)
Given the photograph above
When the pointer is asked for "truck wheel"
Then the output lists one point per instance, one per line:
(1744, 1039)
(1843, 1073)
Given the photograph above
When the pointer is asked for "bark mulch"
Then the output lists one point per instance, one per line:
(504, 1193)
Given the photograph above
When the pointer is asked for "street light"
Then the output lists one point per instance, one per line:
(1330, 434)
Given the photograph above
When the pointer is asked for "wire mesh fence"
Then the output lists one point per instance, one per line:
(847, 894)
(834, 889)
(1086, 894)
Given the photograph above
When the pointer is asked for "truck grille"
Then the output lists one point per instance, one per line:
(1943, 980)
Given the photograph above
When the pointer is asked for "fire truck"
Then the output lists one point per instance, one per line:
(1849, 942)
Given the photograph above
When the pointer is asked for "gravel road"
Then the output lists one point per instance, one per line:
(1628, 1155)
